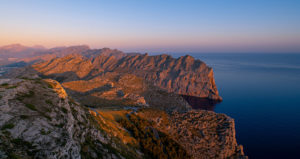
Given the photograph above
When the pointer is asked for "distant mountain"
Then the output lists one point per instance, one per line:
(18, 53)
(12, 53)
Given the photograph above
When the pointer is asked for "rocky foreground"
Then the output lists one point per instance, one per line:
(38, 119)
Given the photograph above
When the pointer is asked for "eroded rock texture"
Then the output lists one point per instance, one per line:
(203, 134)
(183, 75)
(39, 120)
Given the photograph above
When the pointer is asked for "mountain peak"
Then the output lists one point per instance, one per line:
(12, 46)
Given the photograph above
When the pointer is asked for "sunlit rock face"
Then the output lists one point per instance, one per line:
(152, 85)
(39, 120)
(204, 134)
(184, 75)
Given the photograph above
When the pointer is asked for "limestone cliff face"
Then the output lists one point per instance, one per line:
(204, 134)
(183, 75)
(39, 120)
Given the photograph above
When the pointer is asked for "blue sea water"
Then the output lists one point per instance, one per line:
(262, 93)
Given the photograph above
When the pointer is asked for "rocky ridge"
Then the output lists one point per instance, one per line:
(184, 75)
(81, 111)
(40, 120)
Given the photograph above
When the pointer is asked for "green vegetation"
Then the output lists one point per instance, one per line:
(11, 87)
(50, 86)
(87, 146)
(8, 126)
(49, 102)
(74, 111)
(24, 116)
(43, 132)
(7, 133)
(64, 110)
(94, 146)
(4, 84)
(60, 125)
(154, 144)
(26, 145)
(46, 116)
(30, 106)
(30, 94)
(7, 86)
(22, 142)
(25, 78)
(21, 96)
(38, 81)
(72, 101)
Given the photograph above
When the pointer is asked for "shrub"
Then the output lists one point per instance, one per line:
(43, 132)
(30, 94)
(46, 116)
(21, 96)
(50, 86)
(30, 106)
(4, 84)
(49, 102)
(64, 110)
(24, 116)
(154, 143)
(60, 125)
(8, 126)
(11, 87)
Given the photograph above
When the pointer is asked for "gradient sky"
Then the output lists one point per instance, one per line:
(155, 25)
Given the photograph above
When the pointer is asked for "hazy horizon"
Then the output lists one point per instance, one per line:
(155, 26)
(151, 52)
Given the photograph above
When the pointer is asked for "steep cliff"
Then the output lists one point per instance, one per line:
(40, 120)
(184, 75)
(204, 134)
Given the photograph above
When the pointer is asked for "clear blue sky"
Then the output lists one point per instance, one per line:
(155, 25)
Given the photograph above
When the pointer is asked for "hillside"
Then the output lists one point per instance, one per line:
(107, 104)
(16, 53)
(40, 120)
(184, 75)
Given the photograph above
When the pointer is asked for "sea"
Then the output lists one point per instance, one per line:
(261, 91)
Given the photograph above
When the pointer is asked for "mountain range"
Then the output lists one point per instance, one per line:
(104, 103)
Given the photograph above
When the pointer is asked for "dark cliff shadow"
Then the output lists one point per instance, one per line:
(62, 77)
(201, 103)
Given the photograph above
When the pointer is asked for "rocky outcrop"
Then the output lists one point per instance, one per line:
(184, 75)
(115, 90)
(204, 134)
(38, 120)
